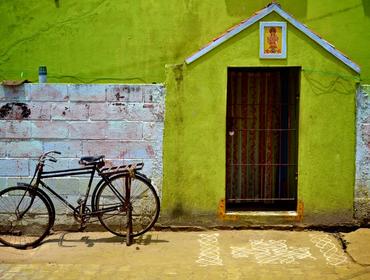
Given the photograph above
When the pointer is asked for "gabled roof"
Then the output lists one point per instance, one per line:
(273, 7)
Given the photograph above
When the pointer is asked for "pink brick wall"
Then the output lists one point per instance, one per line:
(124, 122)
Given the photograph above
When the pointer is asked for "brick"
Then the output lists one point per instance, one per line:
(14, 167)
(65, 185)
(146, 112)
(107, 148)
(17, 93)
(87, 130)
(74, 163)
(124, 130)
(47, 92)
(3, 128)
(70, 111)
(3, 183)
(119, 149)
(153, 131)
(125, 93)
(365, 131)
(108, 111)
(24, 149)
(87, 93)
(84, 182)
(3, 125)
(61, 164)
(39, 110)
(68, 148)
(49, 129)
(127, 111)
(16, 129)
(154, 94)
(3, 145)
(25, 111)
(363, 166)
(13, 181)
(14, 111)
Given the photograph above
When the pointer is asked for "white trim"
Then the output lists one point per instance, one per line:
(274, 7)
(264, 24)
(230, 34)
(326, 45)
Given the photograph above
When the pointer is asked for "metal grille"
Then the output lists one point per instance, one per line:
(262, 132)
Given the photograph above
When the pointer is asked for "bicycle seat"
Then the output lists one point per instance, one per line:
(91, 160)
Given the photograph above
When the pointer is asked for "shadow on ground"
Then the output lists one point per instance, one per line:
(64, 241)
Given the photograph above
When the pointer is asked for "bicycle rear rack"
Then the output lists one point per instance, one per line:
(122, 168)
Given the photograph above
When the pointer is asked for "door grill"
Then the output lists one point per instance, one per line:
(262, 132)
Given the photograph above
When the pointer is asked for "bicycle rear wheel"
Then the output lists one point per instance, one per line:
(25, 217)
(144, 203)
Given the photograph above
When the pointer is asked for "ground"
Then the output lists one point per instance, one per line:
(226, 254)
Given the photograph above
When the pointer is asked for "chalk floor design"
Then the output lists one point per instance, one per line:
(334, 255)
(272, 252)
(209, 250)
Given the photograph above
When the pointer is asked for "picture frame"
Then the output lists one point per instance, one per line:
(273, 40)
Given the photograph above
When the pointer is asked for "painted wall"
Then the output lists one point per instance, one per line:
(89, 41)
(194, 141)
(122, 122)
(100, 41)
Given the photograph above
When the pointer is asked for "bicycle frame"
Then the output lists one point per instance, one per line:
(88, 170)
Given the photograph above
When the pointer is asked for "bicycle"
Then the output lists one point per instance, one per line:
(124, 201)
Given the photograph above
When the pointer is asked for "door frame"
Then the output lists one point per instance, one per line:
(291, 76)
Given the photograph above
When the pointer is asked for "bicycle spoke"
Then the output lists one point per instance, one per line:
(33, 224)
(143, 200)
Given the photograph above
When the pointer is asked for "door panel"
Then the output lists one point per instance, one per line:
(261, 138)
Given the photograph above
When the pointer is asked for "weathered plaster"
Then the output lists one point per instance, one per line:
(362, 187)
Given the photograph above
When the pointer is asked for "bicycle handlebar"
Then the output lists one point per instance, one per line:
(47, 156)
(41, 162)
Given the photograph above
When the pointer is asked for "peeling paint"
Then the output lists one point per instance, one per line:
(17, 111)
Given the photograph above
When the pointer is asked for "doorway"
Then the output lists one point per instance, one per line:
(262, 138)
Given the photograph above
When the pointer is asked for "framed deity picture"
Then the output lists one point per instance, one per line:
(273, 39)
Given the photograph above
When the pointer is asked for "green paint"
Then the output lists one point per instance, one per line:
(194, 147)
(132, 40)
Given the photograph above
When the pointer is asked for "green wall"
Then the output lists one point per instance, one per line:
(194, 143)
(132, 40)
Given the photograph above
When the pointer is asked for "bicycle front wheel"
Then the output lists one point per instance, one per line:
(113, 213)
(25, 217)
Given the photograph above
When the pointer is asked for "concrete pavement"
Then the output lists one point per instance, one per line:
(226, 254)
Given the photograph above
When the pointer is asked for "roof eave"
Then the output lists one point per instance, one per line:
(326, 45)
(230, 34)
(261, 14)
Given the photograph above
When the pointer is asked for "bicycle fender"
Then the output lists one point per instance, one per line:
(101, 182)
(45, 195)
